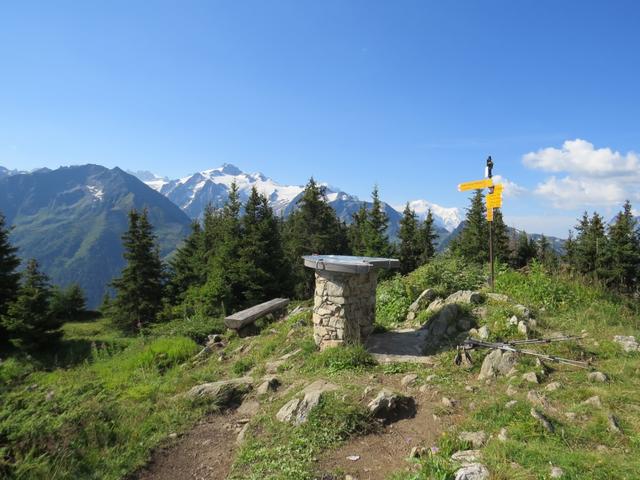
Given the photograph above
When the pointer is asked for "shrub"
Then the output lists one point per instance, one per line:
(392, 302)
(338, 359)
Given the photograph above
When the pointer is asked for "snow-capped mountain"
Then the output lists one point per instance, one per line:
(194, 192)
(446, 217)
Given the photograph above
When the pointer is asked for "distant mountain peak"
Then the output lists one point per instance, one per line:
(447, 217)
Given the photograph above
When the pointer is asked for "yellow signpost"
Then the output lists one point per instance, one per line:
(493, 200)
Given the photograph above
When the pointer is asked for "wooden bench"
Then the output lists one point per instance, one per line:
(250, 315)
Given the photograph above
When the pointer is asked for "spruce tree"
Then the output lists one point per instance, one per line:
(139, 288)
(409, 241)
(376, 239)
(501, 250)
(68, 303)
(525, 251)
(187, 266)
(623, 251)
(28, 319)
(9, 277)
(312, 228)
(591, 246)
(473, 242)
(357, 231)
(426, 240)
(569, 256)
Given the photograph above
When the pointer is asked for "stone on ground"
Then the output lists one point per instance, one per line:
(614, 425)
(628, 344)
(497, 363)
(593, 402)
(483, 332)
(475, 471)
(537, 399)
(409, 380)
(544, 421)
(556, 472)
(553, 386)
(531, 377)
(436, 305)
(249, 408)
(466, 456)
(422, 302)
(476, 439)
(297, 410)
(523, 311)
(597, 377)
(222, 393)
(511, 404)
(497, 297)
(269, 384)
(387, 405)
(464, 297)
(511, 390)
(503, 436)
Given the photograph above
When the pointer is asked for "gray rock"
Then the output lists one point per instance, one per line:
(497, 363)
(523, 328)
(544, 421)
(249, 408)
(423, 300)
(387, 405)
(242, 435)
(465, 323)
(628, 344)
(483, 332)
(474, 471)
(556, 472)
(464, 297)
(593, 402)
(409, 380)
(503, 436)
(476, 439)
(497, 297)
(597, 377)
(537, 399)
(436, 305)
(511, 404)
(553, 386)
(418, 452)
(269, 384)
(296, 410)
(513, 321)
(523, 311)
(531, 377)
(614, 425)
(466, 456)
(272, 367)
(223, 392)
(449, 402)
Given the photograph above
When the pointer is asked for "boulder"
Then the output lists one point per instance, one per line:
(466, 457)
(628, 344)
(249, 408)
(523, 311)
(296, 410)
(483, 332)
(389, 406)
(476, 439)
(436, 305)
(423, 300)
(523, 328)
(464, 297)
(597, 377)
(474, 471)
(497, 363)
(222, 393)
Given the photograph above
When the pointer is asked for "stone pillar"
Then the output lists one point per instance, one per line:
(344, 307)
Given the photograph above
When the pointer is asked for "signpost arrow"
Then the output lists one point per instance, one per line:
(475, 185)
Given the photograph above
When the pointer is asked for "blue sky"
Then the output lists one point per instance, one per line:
(411, 95)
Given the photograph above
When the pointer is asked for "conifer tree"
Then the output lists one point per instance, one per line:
(525, 251)
(591, 245)
(570, 251)
(622, 256)
(187, 266)
(68, 303)
(426, 239)
(9, 277)
(28, 319)
(312, 228)
(357, 231)
(472, 243)
(376, 239)
(409, 241)
(501, 249)
(139, 288)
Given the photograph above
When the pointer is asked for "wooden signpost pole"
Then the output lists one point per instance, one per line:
(490, 175)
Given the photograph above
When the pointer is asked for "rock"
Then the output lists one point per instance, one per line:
(511, 390)
(222, 393)
(287, 356)
(614, 425)
(470, 388)
(215, 338)
(443, 319)
(449, 402)
(242, 434)
(296, 410)
(497, 363)
(511, 404)
(464, 297)
(530, 377)
(480, 312)
(544, 421)
(466, 456)
(597, 377)
(464, 324)
(628, 344)
(570, 416)
(523, 328)
(431, 378)
(272, 367)
(436, 305)
(513, 321)
(556, 472)
(474, 471)
(418, 452)
(353, 458)
(49, 396)
(173, 436)
(553, 386)
(536, 399)
(388, 405)
(409, 380)
(476, 439)
(523, 311)
(497, 297)
(249, 408)
(269, 384)
(503, 436)
(423, 300)
(593, 402)
(483, 332)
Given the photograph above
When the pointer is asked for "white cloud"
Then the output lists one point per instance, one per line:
(510, 189)
(595, 177)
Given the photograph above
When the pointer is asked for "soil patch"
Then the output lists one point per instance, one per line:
(206, 452)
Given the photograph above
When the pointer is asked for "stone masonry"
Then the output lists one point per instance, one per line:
(344, 307)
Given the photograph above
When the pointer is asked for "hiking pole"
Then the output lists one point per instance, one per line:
(544, 340)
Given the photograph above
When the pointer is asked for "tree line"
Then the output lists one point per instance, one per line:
(243, 254)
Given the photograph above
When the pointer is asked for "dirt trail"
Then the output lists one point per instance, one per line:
(386, 452)
(206, 452)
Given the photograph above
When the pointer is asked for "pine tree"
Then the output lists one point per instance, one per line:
(543, 253)
(68, 303)
(409, 241)
(139, 288)
(501, 250)
(312, 228)
(525, 251)
(622, 256)
(9, 277)
(426, 240)
(473, 242)
(357, 231)
(570, 251)
(591, 245)
(187, 266)
(376, 239)
(28, 319)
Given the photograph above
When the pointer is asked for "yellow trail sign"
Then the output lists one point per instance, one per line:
(475, 185)
(493, 201)
(497, 188)
(490, 214)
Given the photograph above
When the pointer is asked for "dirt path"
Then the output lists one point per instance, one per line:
(206, 452)
(386, 452)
